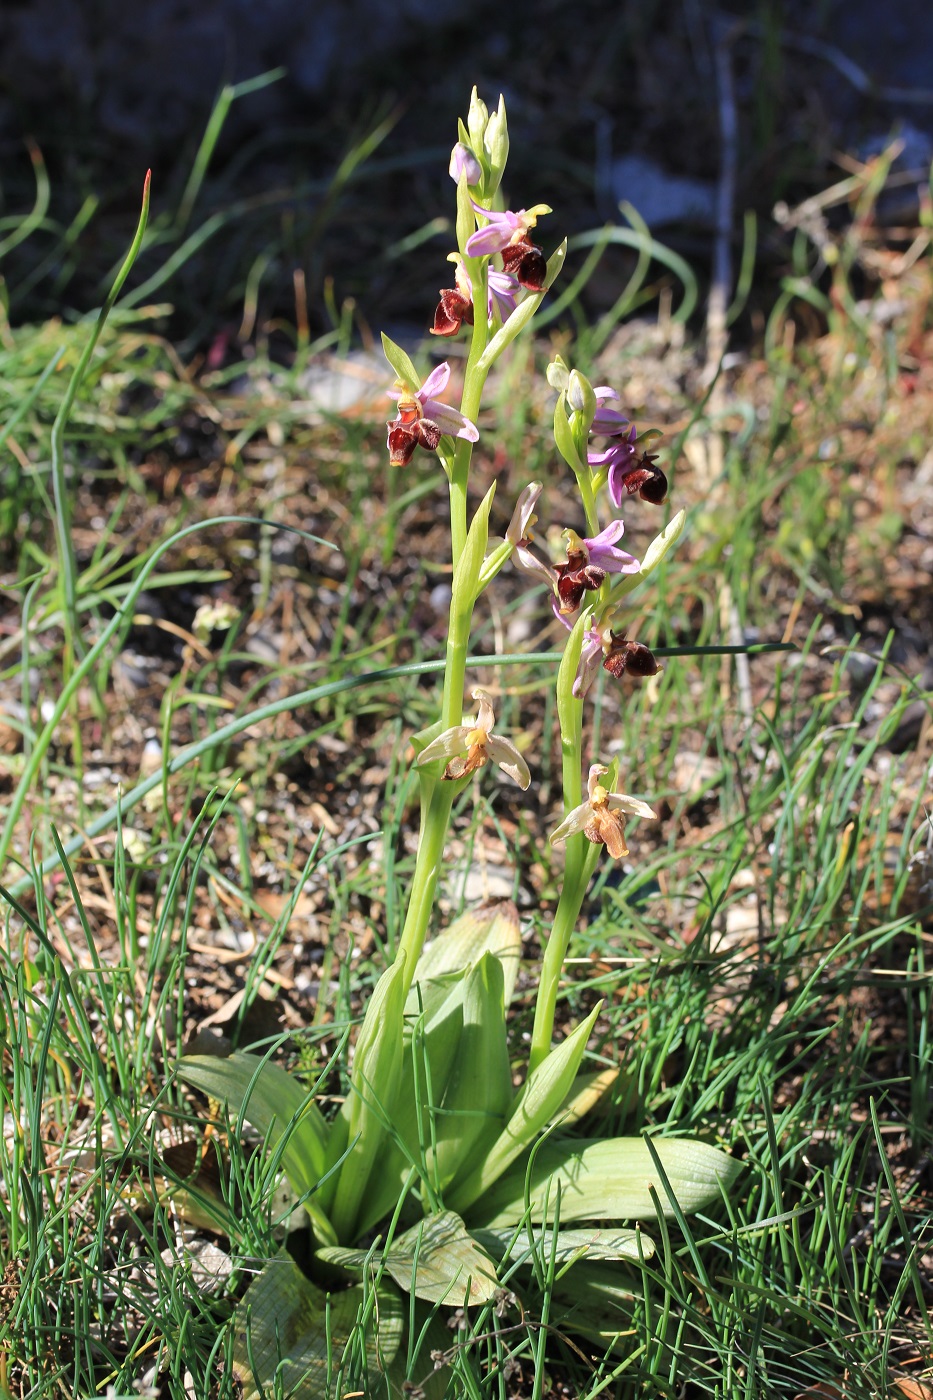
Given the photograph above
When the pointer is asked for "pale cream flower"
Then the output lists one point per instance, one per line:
(600, 818)
(471, 746)
(520, 537)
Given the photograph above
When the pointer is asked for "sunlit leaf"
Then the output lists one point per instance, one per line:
(490, 929)
(585, 1093)
(374, 1084)
(437, 1259)
(583, 1244)
(544, 1092)
(609, 1179)
(479, 1091)
(272, 1101)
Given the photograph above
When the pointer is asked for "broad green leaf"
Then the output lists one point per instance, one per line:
(544, 1092)
(575, 1245)
(290, 1336)
(479, 1091)
(400, 362)
(374, 1084)
(585, 1093)
(427, 1058)
(437, 1259)
(609, 1179)
(273, 1102)
(490, 929)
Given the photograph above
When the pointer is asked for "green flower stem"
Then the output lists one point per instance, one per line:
(565, 920)
(474, 381)
(458, 638)
(437, 798)
(576, 875)
(588, 496)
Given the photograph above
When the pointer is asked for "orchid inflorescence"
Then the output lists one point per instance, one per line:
(498, 266)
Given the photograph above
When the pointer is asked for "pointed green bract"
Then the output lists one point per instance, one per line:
(400, 362)
(437, 1260)
(659, 547)
(467, 572)
(523, 312)
(609, 1179)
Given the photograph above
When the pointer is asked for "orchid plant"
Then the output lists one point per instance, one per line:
(438, 1177)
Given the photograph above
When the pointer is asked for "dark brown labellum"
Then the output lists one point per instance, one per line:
(631, 658)
(525, 261)
(402, 440)
(572, 583)
(452, 310)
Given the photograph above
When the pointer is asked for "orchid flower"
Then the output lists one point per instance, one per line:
(507, 233)
(630, 471)
(612, 650)
(600, 817)
(520, 537)
(588, 563)
(422, 418)
(471, 746)
(456, 303)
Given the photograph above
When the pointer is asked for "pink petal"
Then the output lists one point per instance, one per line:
(450, 420)
(486, 241)
(435, 383)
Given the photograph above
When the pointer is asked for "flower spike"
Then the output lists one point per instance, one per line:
(600, 817)
(469, 747)
(421, 418)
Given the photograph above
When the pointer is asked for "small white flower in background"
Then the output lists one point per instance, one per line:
(213, 617)
(471, 746)
(600, 818)
(135, 843)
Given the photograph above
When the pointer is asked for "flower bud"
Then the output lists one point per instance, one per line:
(558, 375)
(477, 119)
(581, 396)
(496, 143)
(463, 160)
